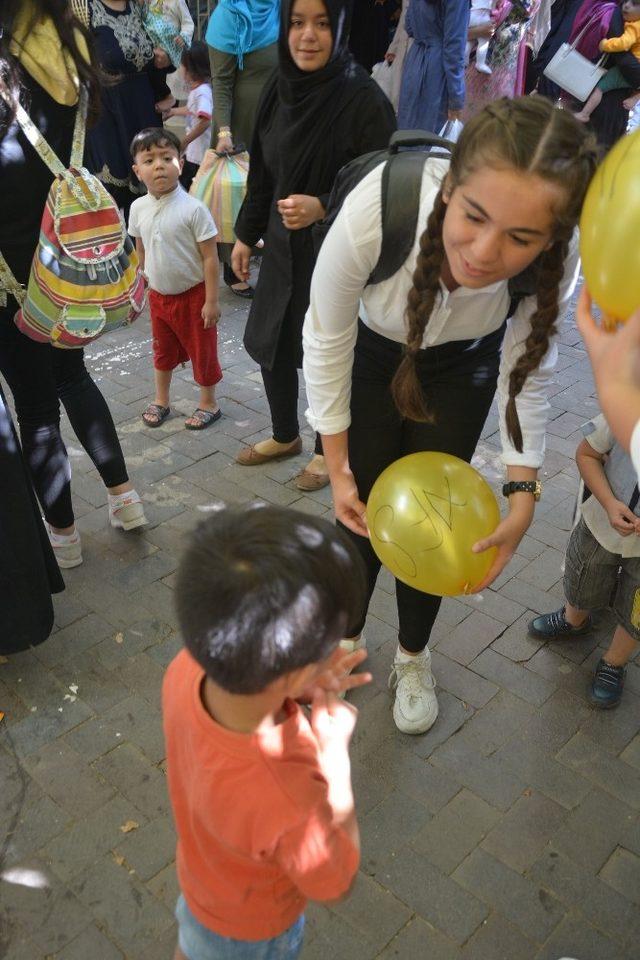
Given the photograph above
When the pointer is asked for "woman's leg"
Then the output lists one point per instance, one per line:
(90, 418)
(28, 369)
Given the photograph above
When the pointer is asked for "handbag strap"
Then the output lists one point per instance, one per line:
(577, 40)
(9, 284)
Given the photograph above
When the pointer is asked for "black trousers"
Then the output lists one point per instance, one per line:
(281, 386)
(40, 376)
(459, 381)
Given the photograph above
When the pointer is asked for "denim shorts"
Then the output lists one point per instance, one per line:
(200, 943)
(595, 578)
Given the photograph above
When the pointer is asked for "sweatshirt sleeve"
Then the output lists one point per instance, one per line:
(623, 43)
(532, 403)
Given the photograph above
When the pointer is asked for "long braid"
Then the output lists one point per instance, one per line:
(543, 327)
(405, 387)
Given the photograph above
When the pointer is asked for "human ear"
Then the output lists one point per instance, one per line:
(447, 189)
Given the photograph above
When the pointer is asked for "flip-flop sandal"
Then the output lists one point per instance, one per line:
(155, 410)
(205, 418)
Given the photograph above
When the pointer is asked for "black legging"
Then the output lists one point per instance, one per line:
(459, 382)
(39, 377)
(281, 387)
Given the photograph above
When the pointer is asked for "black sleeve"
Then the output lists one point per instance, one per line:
(253, 218)
(374, 121)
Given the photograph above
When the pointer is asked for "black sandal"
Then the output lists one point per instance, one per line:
(155, 410)
(204, 417)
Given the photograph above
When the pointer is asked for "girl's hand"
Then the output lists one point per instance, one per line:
(348, 506)
(161, 58)
(389, 57)
(454, 115)
(224, 143)
(506, 538)
(338, 676)
(240, 257)
(299, 211)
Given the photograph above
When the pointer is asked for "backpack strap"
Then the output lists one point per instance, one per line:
(9, 284)
(401, 188)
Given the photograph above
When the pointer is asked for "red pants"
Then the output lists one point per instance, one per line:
(179, 334)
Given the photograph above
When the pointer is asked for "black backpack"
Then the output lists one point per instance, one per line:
(401, 186)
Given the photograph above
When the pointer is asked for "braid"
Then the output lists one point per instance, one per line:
(405, 387)
(543, 326)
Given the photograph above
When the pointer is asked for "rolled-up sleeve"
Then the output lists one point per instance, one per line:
(347, 257)
(532, 403)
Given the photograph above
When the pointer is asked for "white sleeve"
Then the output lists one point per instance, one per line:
(133, 228)
(203, 105)
(348, 255)
(204, 227)
(186, 21)
(634, 449)
(532, 403)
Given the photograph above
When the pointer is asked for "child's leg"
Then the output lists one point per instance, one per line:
(591, 104)
(163, 384)
(631, 101)
(621, 649)
(179, 955)
(482, 51)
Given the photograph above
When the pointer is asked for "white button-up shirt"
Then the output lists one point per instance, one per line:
(339, 294)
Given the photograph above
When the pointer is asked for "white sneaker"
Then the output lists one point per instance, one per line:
(350, 646)
(66, 549)
(126, 511)
(416, 706)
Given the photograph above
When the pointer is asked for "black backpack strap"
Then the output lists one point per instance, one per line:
(635, 496)
(401, 187)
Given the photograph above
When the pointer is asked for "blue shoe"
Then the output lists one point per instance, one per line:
(607, 686)
(554, 626)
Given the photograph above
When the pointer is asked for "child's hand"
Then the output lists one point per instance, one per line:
(210, 313)
(161, 58)
(621, 518)
(299, 211)
(338, 677)
(179, 41)
(601, 45)
(332, 720)
(240, 257)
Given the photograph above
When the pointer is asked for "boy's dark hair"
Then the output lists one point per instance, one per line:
(265, 590)
(195, 60)
(153, 137)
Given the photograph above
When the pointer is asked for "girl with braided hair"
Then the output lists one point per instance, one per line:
(419, 369)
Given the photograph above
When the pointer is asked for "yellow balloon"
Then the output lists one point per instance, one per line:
(424, 514)
(610, 229)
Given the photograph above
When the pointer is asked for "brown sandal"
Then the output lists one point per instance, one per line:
(155, 410)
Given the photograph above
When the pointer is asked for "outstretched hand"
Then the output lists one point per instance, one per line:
(338, 676)
(506, 538)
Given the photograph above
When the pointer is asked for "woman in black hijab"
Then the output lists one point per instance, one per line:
(319, 111)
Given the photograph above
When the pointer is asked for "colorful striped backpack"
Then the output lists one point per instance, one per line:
(85, 277)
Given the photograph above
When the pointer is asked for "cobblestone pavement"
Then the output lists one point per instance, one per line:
(510, 832)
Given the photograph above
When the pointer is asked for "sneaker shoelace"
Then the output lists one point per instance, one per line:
(416, 680)
(559, 622)
(608, 675)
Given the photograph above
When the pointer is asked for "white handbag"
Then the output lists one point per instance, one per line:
(382, 73)
(573, 72)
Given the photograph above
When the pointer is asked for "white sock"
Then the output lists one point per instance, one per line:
(63, 537)
(116, 500)
(403, 657)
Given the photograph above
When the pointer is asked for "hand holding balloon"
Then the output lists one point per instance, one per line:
(506, 538)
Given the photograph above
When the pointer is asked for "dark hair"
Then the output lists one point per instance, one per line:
(530, 135)
(65, 23)
(195, 60)
(153, 137)
(262, 591)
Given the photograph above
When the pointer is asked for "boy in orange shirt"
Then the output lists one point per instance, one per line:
(261, 791)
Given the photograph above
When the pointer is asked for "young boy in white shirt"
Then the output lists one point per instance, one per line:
(175, 239)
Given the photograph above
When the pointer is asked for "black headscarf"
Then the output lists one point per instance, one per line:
(310, 101)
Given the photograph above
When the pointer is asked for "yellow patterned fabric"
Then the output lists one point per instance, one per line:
(36, 44)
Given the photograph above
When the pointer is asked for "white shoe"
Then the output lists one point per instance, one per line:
(126, 511)
(415, 709)
(350, 646)
(483, 68)
(66, 549)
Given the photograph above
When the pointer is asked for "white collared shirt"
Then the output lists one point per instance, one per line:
(339, 295)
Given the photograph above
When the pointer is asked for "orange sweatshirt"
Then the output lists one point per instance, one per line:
(630, 40)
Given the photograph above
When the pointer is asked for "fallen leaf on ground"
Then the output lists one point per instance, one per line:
(1, 716)
(119, 859)
(129, 826)
(119, 638)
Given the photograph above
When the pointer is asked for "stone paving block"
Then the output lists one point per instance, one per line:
(549, 533)
(150, 848)
(524, 831)
(163, 948)
(87, 840)
(622, 872)
(494, 605)
(399, 766)
(328, 935)
(16, 945)
(13, 707)
(462, 682)
(576, 938)
(373, 911)
(514, 677)
(515, 565)
(609, 773)
(631, 754)
(545, 570)
(78, 636)
(492, 726)
(417, 941)
(515, 643)
(91, 944)
(67, 607)
(601, 818)
(29, 679)
(456, 830)
(484, 776)
(50, 913)
(470, 638)
(143, 572)
(31, 827)
(529, 907)
(116, 649)
(622, 726)
(384, 607)
(573, 886)
(92, 738)
(370, 786)
(130, 915)
(67, 779)
(568, 676)
(159, 598)
(532, 597)
(98, 687)
(538, 770)
(164, 886)
(143, 675)
(136, 778)
(19, 790)
(387, 828)
(497, 939)
(375, 724)
(452, 716)
(43, 726)
(434, 896)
